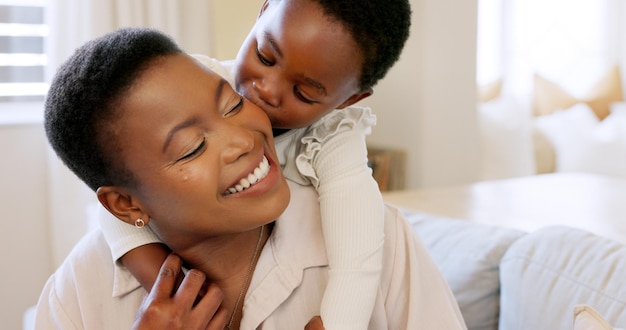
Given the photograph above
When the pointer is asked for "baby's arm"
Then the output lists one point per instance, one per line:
(145, 261)
(352, 212)
(138, 249)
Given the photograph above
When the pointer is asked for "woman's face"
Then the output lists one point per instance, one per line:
(190, 140)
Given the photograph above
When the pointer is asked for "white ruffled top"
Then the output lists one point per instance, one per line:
(299, 149)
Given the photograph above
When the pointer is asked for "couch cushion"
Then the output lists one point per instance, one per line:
(546, 273)
(468, 255)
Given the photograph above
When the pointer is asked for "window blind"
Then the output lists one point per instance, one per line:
(22, 54)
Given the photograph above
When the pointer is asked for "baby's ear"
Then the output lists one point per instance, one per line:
(356, 97)
(122, 205)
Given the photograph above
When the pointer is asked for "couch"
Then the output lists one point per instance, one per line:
(508, 279)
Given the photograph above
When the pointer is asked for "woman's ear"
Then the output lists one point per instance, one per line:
(356, 97)
(122, 205)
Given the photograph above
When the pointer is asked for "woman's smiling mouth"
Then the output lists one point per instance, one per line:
(255, 176)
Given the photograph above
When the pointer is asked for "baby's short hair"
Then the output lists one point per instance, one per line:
(379, 27)
(81, 104)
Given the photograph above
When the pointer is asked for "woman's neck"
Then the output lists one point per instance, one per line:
(229, 263)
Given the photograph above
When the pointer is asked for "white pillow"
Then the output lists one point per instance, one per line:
(567, 132)
(569, 127)
(584, 144)
(506, 139)
(609, 145)
(587, 318)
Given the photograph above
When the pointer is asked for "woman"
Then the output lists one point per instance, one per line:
(161, 139)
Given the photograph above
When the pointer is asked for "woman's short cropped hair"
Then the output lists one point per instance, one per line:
(80, 108)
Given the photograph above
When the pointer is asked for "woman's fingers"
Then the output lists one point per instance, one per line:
(166, 281)
(219, 320)
(192, 305)
(190, 288)
(205, 301)
(209, 306)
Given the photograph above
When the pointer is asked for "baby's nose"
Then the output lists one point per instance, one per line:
(268, 91)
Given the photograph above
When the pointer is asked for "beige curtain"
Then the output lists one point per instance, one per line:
(73, 22)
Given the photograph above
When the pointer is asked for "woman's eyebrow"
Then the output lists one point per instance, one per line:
(219, 90)
(172, 132)
(192, 121)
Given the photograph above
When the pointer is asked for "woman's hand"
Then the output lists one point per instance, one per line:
(190, 306)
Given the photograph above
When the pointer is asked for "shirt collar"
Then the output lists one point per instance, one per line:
(296, 244)
(123, 281)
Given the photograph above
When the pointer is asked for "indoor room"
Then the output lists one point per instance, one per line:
(500, 134)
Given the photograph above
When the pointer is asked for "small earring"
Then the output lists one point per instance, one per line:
(139, 223)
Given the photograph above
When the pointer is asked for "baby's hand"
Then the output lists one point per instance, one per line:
(186, 307)
(315, 324)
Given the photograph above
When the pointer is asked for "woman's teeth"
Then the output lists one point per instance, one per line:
(255, 176)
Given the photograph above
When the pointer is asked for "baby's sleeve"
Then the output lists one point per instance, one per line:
(122, 237)
(352, 213)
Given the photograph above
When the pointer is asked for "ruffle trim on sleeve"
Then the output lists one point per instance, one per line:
(352, 120)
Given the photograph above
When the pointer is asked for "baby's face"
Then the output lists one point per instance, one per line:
(297, 65)
(189, 139)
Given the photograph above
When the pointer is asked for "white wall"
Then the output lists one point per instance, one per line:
(426, 104)
(232, 20)
(25, 259)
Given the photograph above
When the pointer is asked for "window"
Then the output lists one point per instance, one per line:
(570, 42)
(22, 55)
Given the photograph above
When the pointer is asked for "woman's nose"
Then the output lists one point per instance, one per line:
(268, 91)
(239, 141)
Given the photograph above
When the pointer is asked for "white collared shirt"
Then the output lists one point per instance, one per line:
(89, 292)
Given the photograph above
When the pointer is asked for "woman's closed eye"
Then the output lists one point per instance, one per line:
(235, 109)
(195, 151)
